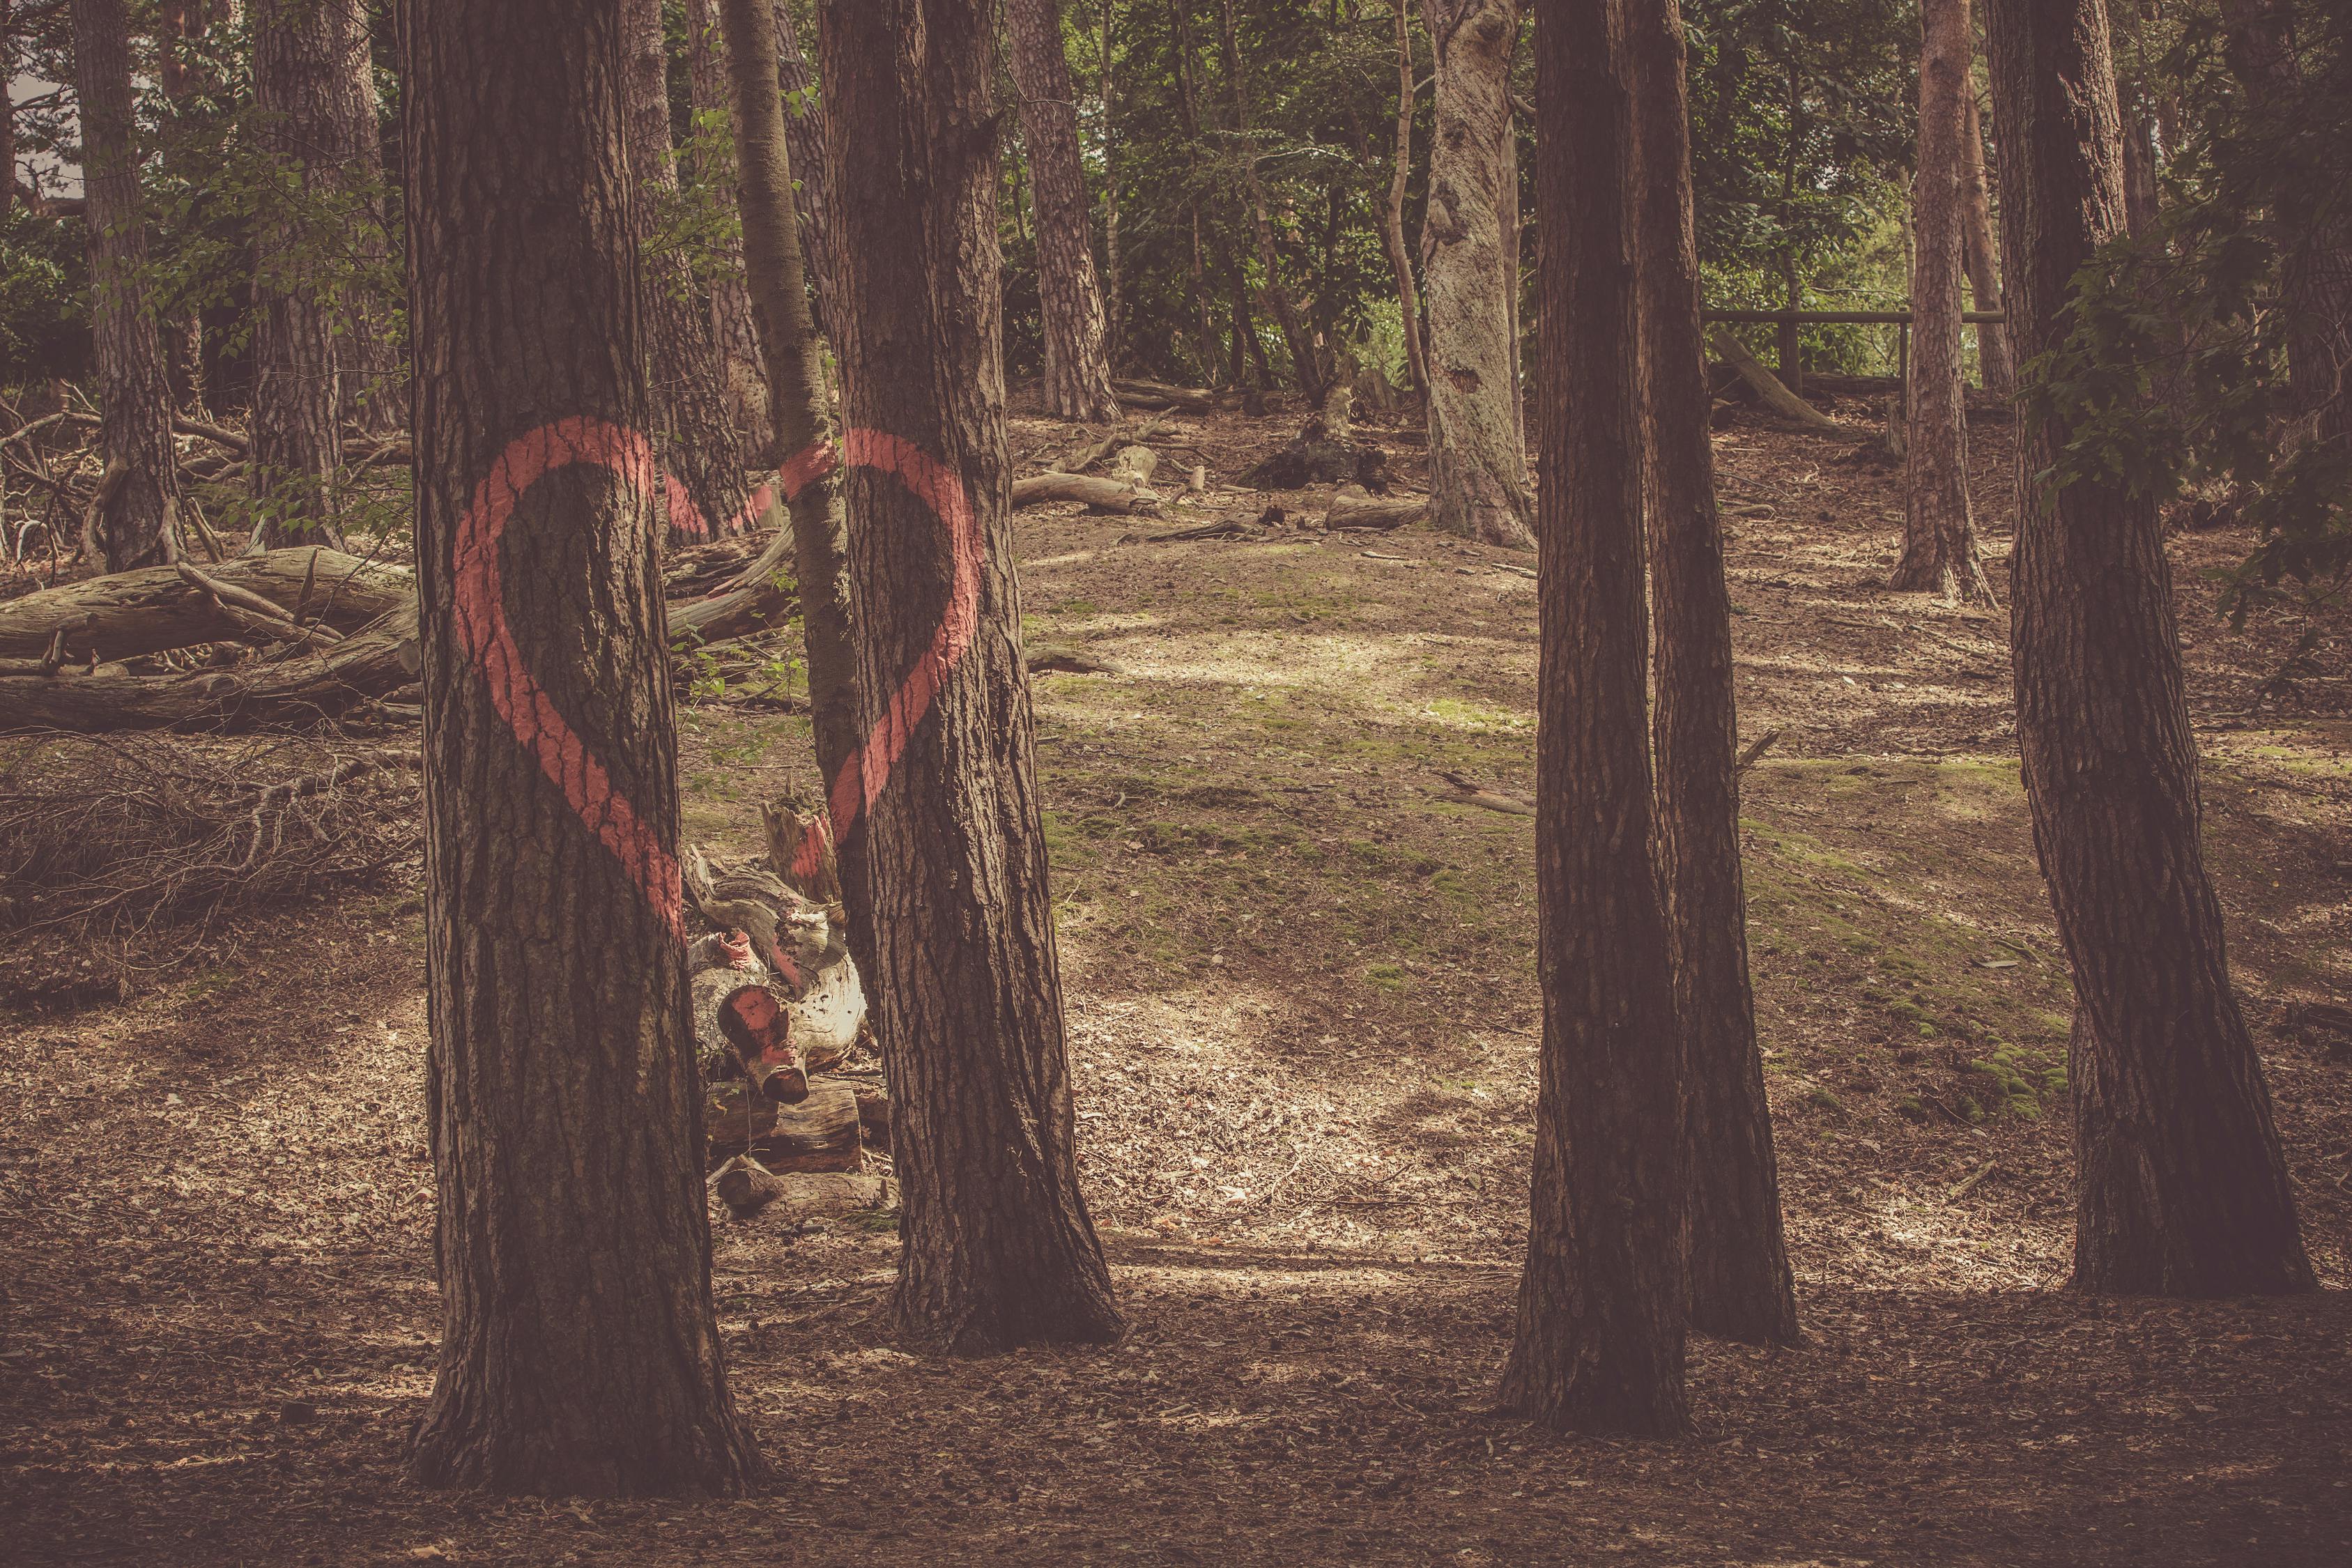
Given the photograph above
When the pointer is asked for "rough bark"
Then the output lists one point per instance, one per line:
(1939, 536)
(178, 23)
(2180, 1185)
(730, 293)
(1392, 216)
(372, 379)
(804, 134)
(694, 424)
(1477, 458)
(1599, 1341)
(134, 524)
(580, 1352)
(776, 269)
(1740, 1285)
(1983, 257)
(1078, 364)
(300, 52)
(998, 1246)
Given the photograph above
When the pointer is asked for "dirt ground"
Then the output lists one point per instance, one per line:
(1303, 1025)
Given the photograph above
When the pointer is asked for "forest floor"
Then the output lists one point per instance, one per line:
(1303, 1025)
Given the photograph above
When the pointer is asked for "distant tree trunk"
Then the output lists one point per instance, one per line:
(1983, 256)
(8, 126)
(1308, 364)
(580, 1351)
(1392, 217)
(805, 133)
(1940, 539)
(1188, 105)
(178, 23)
(696, 438)
(1078, 364)
(369, 374)
(731, 295)
(1599, 1341)
(1740, 1285)
(299, 49)
(139, 509)
(1477, 456)
(794, 355)
(1110, 281)
(2315, 230)
(998, 1247)
(2180, 1188)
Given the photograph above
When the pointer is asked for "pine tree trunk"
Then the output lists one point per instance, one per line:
(730, 293)
(1308, 364)
(804, 134)
(1392, 216)
(795, 356)
(1078, 364)
(1740, 1285)
(1599, 1341)
(696, 437)
(1940, 539)
(998, 1247)
(139, 508)
(1110, 278)
(178, 24)
(2180, 1187)
(1187, 107)
(580, 1352)
(1983, 256)
(370, 377)
(1477, 456)
(298, 47)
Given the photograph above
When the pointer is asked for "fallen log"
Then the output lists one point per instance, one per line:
(755, 601)
(1768, 386)
(742, 1020)
(1133, 466)
(819, 1133)
(747, 1187)
(1161, 395)
(1087, 454)
(1101, 495)
(132, 613)
(798, 939)
(1352, 507)
(258, 695)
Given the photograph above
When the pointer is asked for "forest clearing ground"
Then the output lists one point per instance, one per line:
(1304, 1026)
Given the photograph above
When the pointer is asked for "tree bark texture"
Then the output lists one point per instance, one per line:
(1077, 362)
(999, 1249)
(134, 523)
(710, 86)
(804, 134)
(300, 52)
(2180, 1187)
(1599, 1341)
(696, 437)
(372, 377)
(1392, 216)
(1477, 456)
(178, 23)
(1939, 537)
(1740, 1285)
(1983, 255)
(580, 1351)
(795, 356)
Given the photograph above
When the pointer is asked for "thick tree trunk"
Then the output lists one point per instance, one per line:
(694, 425)
(581, 1352)
(1477, 458)
(1599, 1341)
(299, 53)
(790, 347)
(2180, 1186)
(1308, 364)
(1392, 216)
(371, 378)
(1740, 1285)
(730, 293)
(1078, 364)
(135, 521)
(805, 135)
(1983, 256)
(1939, 537)
(998, 1247)
(178, 24)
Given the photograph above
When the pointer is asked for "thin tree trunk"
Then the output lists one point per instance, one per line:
(1740, 1285)
(805, 135)
(695, 436)
(716, 170)
(1416, 364)
(998, 1248)
(178, 23)
(1188, 103)
(580, 1352)
(138, 513)
(1983, 256)
(1307, 359)
(299, 49)
(1478, 454)
(1110, 198)
(1940, 538)
(1077, 362)
(1599, 1341)
(795, 356)
(2180, 1187)
(369, 378)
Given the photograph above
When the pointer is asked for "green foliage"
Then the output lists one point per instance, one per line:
(44, 276)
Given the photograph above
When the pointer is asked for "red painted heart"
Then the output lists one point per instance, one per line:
(532, 714)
